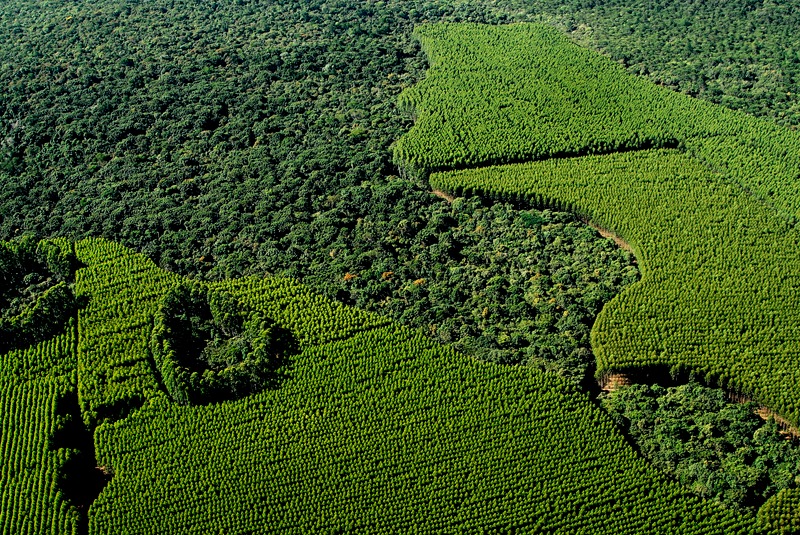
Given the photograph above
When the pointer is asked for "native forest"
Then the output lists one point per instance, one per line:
(399, 266)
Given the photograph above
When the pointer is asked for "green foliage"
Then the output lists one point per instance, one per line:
(54, 357)
(224, 132)
(699, 271)
(36, 296)
(502, 284)
(718, 295)
(246, 138)
(206, 350)
(312, 318)
(211, 179)
(782, 512)
(209, 137)
(739, 53)
(31, 467)
(480, 104)
(594, 107)
(718, 448)
(380, 430)
(123, 291)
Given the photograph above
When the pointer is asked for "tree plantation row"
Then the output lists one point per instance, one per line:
(371, 427)
(32, 381)
(717, 244)
(501, 94)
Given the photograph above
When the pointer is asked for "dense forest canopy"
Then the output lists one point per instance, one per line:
(714, 446)
(251, 137)
(35, 290)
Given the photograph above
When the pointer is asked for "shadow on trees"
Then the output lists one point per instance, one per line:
(80, 479)
(208, 348)
(36, 297)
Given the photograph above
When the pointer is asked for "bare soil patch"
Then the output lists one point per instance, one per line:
(444, 195)
(613, 381)
(608, 234)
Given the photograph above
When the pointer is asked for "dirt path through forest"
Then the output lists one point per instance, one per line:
(446, 196)
(622, 244)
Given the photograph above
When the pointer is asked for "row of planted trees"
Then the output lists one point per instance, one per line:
(373, 427)
(381, 430)
(711, 214)
(33, 500)
(502, 94)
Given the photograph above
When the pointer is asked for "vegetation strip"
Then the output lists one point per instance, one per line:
(719, 293)
(365, 405)
(713, 223)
